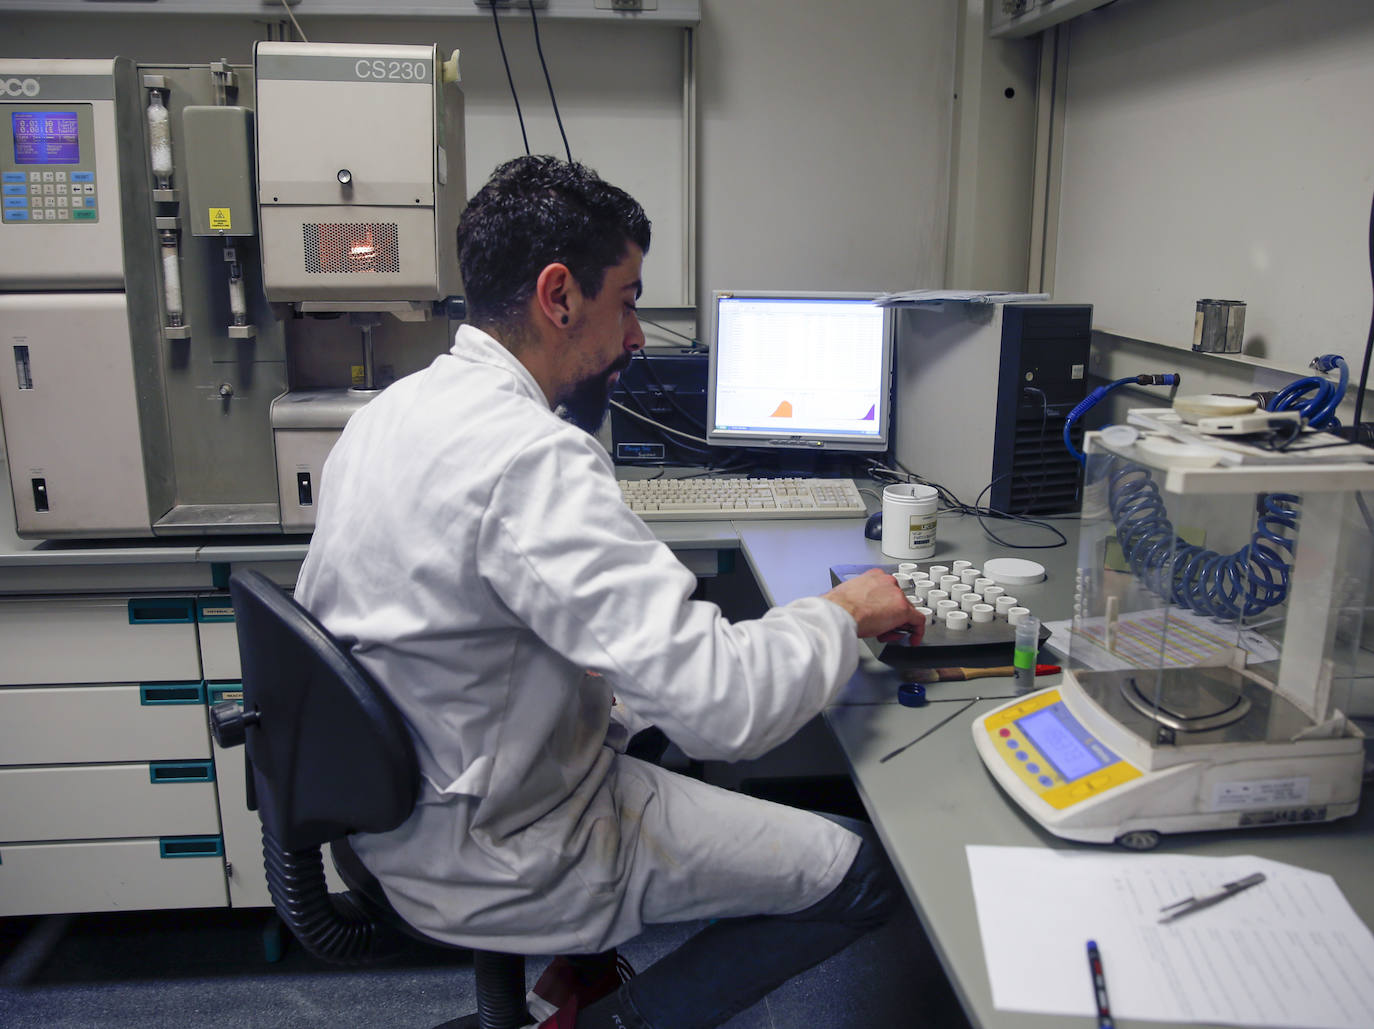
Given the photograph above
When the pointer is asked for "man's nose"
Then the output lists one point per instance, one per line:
(634, 338)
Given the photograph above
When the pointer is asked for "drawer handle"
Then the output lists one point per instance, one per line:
(161, 611)
(171, 693)
(191, 846)
(181, 771)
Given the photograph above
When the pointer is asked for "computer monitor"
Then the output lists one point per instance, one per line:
(800, 371)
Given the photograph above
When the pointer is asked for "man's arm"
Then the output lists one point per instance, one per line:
(878, 606)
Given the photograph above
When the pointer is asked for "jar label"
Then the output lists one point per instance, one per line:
(920, 531)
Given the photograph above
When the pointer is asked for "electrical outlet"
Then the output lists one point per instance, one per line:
(627, 5)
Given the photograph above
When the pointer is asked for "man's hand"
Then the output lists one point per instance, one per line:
(879, 606)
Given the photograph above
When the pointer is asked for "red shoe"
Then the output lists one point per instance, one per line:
(564, 1018)
(566, 984)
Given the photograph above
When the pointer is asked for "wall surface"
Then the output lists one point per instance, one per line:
(824, 148)
(1222, 149)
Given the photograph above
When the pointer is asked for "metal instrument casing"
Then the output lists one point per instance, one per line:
(358, 185)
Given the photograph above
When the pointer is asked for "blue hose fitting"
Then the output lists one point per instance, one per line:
(1088, 402)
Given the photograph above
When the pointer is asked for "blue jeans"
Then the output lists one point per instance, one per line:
(733, 963)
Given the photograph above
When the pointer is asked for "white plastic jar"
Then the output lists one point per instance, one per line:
(909, 520)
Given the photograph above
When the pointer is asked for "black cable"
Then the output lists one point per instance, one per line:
(639, 395)
(1369, 341)
(668, 395)
(552, 99)
(646, 416)
(1282, 439)
(495, 20)
(680, 335)
(947, 496)
(986, 512)
(953, 503)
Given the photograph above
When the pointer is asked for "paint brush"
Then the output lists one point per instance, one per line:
(960, 674)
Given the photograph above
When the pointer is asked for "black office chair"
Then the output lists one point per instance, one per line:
(328, 755)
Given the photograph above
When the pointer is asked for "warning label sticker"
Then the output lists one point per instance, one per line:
(220, 220)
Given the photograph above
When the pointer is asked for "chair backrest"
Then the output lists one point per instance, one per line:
(328, 751)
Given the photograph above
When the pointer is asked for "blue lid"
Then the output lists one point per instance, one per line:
(911, 694)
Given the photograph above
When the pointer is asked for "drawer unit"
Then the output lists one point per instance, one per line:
(98, 639)
(242, 830)
(219, 642)
(105, 722)
(111, 801)
(111, 875)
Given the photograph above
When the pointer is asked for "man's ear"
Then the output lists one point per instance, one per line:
(557, 295)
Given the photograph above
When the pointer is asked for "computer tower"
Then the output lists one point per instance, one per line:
(669, 388)
(982, 394)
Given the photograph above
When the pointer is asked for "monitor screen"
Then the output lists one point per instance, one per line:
(46, 137)
(800, 371)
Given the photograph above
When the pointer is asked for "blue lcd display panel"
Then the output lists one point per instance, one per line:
(46, 137)
(1061, 741)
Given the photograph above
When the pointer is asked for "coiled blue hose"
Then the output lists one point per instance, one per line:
(1315, 398)
(1225, 586)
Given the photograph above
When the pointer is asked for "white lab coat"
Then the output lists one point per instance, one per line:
(473, 549)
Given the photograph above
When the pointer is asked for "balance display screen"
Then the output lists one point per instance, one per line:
(46, 137)
(1059, 741)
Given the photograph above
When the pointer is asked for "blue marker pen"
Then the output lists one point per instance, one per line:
(1104, 1010)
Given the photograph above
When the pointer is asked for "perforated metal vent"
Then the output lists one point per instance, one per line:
(358, 247)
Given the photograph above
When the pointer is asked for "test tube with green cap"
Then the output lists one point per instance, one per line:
(1023, 656)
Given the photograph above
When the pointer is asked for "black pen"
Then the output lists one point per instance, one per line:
(1179, 908)
(1104, 1010)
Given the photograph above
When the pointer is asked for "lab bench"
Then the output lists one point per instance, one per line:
(935, 798)
(80, 722)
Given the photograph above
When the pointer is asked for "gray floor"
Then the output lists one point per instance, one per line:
(207, 969)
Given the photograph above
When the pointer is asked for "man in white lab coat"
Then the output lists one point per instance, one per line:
(472, 549)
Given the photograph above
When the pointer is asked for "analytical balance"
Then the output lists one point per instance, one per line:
(1219, 603)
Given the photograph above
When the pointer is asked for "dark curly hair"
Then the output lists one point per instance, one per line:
(533, 212)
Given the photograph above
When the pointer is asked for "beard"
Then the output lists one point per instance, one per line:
(589, 400)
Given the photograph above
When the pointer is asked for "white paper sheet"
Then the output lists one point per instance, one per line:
(960, 296)
(1290, 952)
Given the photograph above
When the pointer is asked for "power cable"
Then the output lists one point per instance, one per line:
(495, 20)
(539, 46)
(638, 416)
(1369, 341)
(294, 22)
(673, 332)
